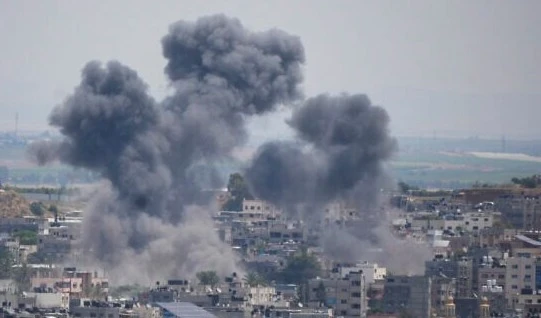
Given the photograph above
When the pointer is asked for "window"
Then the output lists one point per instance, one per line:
(514, 276)
(515, 266)
(356, 295)
(343, 301)
(501, 276)
(514, 287)
(92, 314)
(356, 306)
(528, 266)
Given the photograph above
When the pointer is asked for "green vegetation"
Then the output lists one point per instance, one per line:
(427, 169)
(53, 209)
(300, 268)
(528, 182)
(22, 276)
(238, 189)
(6, 263)
(405, 188)
(37, 208)
(127, 291)
(208, 278)
(254, 279)
(27, 237)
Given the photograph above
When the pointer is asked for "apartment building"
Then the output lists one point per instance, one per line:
(407, 294)
(346, 295)
(371, 271)
(520, 278)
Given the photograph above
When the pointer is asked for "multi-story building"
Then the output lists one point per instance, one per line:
(371, 271)
(259, 206)
(408, 295)
(476, 221)
(491, 276)
(346, 295)
(520, 278)
(521, 211)
(442, 288)
(464, 279)
(532, 213)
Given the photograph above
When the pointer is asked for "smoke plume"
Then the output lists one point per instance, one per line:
(152, 220)
(342, 145)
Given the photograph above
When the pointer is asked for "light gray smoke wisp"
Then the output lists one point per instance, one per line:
(153, 221)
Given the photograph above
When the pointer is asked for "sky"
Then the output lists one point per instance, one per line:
(440, 68)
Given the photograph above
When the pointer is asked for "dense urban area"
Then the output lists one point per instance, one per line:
(483, 259)
(252, 177)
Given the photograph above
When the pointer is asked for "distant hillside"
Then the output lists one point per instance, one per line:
(13, 205)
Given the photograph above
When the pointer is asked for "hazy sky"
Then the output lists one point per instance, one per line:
(444, 67)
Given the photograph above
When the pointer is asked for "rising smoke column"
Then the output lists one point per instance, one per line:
(149, 220)
(223, 73)
(343, 142)
(342, 145)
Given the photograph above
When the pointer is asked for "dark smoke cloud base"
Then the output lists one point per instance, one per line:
(152, 221)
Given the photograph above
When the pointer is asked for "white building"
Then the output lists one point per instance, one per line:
(371, 271)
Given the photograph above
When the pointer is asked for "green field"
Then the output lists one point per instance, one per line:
(433, 169)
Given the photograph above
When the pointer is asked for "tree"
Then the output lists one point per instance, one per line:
(238, 190)
(22, 277)
(53, 209)
(37, 208)
(208, 278)
(527, 182)
(6, 263)
(300, 268)
(27, 237)
(253, 279)
(406, 188)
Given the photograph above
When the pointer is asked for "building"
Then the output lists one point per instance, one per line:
(346, 295)
(520, 278)
(183, 310)
(372, 272)
(407, 294)
(95, 310)
(464, 279)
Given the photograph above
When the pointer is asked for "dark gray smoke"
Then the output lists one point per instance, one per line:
(144, 224)
(342, 147)
(345, 141)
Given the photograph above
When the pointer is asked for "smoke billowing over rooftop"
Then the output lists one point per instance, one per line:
(151, 219)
